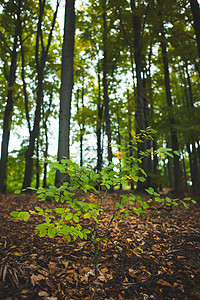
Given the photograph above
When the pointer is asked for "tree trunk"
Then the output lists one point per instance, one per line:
(82, 131)
(196, 17)
(174, 139)
(40, 66)
(8, 116)
(66, 87)
(105, 83)
(99, 124)
(34, 132)
(140, 100)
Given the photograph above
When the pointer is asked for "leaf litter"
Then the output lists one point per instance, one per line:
(149, 256)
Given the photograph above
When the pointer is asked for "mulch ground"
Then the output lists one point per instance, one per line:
(151, 256)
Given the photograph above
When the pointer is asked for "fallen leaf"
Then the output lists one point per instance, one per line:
(132, 273)
(43, 294)
(156, 248)
(102, 278)
(176, 284)
(17, 254)
(52, 267)
(164, 283)
(65, 263)
(104, 270)
(36, 278)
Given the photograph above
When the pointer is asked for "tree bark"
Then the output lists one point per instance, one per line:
(105, 83)
(40, 66)
(8, 112)
(196, 17)
(140, 119)
(99, 123)
(66, 87)
(174, 139)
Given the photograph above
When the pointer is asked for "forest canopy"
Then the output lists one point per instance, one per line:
(117, 69)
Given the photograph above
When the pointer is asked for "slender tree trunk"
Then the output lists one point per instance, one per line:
(8, 116)
(37, 166)
(82, 131)
(34, 133)
(196, 17)
(105, 82)
(173, 134)
(130, 137)
(140, 100)
(194, 160)
(46, 143)
(81, 125)
(99, 124)
(66, 86)
(40, 66)
(23, 74)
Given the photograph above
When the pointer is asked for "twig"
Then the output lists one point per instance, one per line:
(195, 230)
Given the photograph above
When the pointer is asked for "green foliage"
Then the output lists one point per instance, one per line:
(66, 221)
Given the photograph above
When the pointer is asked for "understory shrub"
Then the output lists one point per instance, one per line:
(67, 221)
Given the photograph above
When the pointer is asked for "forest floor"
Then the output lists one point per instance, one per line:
(149, 256)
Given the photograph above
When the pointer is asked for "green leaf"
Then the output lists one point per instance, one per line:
(87, 216)
(60, 211)
(17, 192)
(168, 199)
(76, 218)
(142, 179)
(14, 214)
(68, 238)
(184, 204)
(51, 232)
(150, 190)
(69, 216)
(124, 199)
(177, 153)
(23, 216)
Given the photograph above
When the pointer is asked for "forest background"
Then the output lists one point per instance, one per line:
(130, 65)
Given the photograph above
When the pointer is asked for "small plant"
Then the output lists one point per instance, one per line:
(69, 220)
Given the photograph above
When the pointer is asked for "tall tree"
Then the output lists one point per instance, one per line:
(173, 133)
(67, 72)
(9, 104)
(196, 16)
(40, 61)
(105, 81)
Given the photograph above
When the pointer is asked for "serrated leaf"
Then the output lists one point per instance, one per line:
(51, 232)
(23, 215)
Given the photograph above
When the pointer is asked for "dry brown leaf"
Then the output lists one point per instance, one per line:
(36, 278)
(43, 294)
(104, 270)
(176, 284)
(164, 283)
(156, 248)
(65, 263)
(102, 278)
(84, 270)
(132, 273)
(52, 267)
